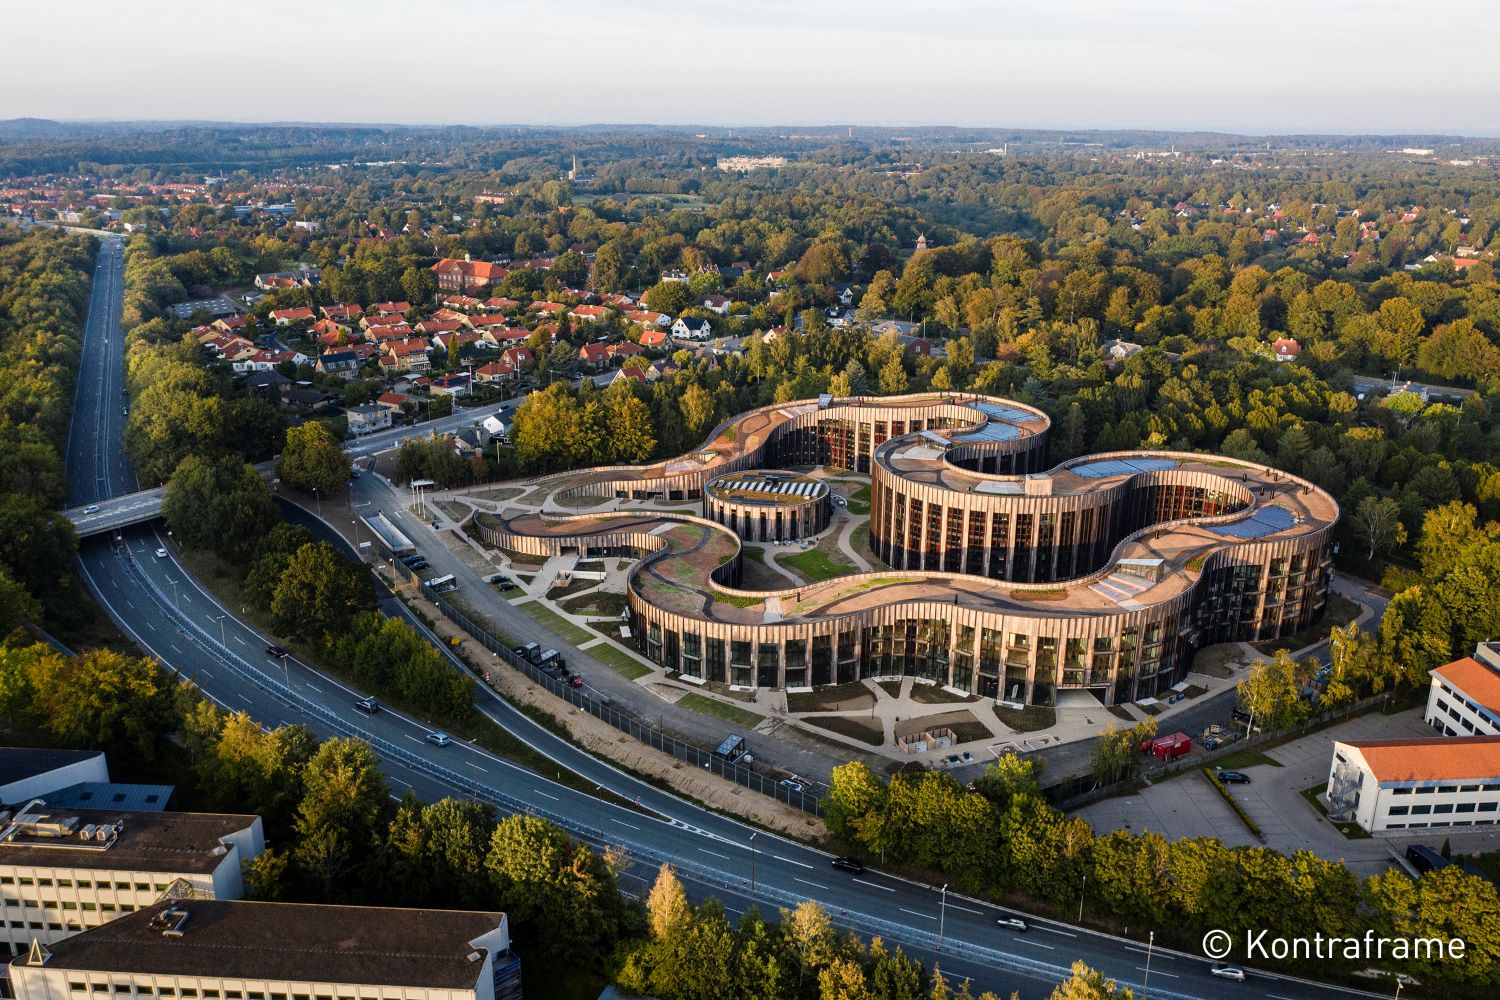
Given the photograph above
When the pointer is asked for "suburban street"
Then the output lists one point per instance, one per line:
(171, 617)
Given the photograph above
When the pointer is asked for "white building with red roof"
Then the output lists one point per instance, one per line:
(1464, 699)
(1416, 783)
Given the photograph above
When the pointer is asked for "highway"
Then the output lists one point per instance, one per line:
(174, 619)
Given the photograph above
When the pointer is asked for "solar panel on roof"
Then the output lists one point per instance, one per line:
(1121, 467)
(1266, 521)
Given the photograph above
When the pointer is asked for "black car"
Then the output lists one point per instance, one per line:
(849, 865)
(414, 558)
(417, 564)
(1234, 777)
(369, 706)
(275, 652)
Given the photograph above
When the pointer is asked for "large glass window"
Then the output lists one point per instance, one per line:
(741, 669)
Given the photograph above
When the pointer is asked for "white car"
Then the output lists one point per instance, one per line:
(161, 553)
(1224, 971)
(92, 508)
(1014, 923)
(438, 739)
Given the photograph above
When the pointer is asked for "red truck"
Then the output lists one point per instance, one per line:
(1168, 747)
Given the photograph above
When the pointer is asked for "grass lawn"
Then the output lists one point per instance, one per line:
(865, 730)
(931, 694)
(815, 564)
(556, 622)
(618, 660)
(711, 706)
(892, 688)
(738, 602)
(599, 604)
(1119, 712)
(1241, 759)
(1027, 720)
(1340, 611)
(839, 698)
(859, 499)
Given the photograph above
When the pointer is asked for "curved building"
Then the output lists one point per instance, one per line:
(1104, 573)
(765, 506)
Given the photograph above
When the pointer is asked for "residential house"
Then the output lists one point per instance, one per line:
(389, 308)
(675, 275)
(630, 373)
(287, 317)
(304, 397)
(405, 356)
(654, 338)
(435, 326)
(496, 425)
(690, 328)
(229, 324)
(442, 341)
(450, 385)
(468, 275)
(845, 295)
(367, 419)
(395, 331)
(517, 356)
(508, 336)
(550, 308)
(342, 313)
(469, 442)
(302, 277)
(593, 355)
(501, 304)
(375, 320)
(1119, 350)
(1285, 349)
(396, 402)
(330, 332)
(461, 303)
(718, 304)
(838, 317)
(647, 317)
(487, 321)
(589, 314)
(341, 364)
(495, 371)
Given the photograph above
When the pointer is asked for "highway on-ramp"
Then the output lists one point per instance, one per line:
(174, 619)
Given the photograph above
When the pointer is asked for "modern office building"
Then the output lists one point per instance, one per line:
(29, 772)
(1416, 784)
(1103, 574)
(763, 506)
(65, 871)
(1464, 699)
(229, 950)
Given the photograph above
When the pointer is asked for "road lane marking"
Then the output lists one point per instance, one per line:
(1054, 930)
(791, 862)
(310, 684)
(1155, 954)
(925, 916)
(414, 739)
(955, 906)
(239, 640)
(1035, 944)
(544, 795)
(806, 882)
(1169, 975)
(872, 885)
(635, 828)
(715, 854)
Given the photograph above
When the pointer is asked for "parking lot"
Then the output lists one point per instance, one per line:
(1188, 805)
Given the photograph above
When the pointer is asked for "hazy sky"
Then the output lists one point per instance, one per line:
(1248, 65)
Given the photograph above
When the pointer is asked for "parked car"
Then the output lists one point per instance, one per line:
(1224, 971)
(413, 558)
(1234, 777)
(369, 706)
(417, 564)
(791, 785)
(576, 680)
(849, 865)
(1014, 923)
(275, 652)
(438, 739)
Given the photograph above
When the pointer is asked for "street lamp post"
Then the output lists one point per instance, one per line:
(1081, 890)
(318, 497)
(175, 606)
(752, 862)
(942, 917)
(222, 641)
(1146, 983)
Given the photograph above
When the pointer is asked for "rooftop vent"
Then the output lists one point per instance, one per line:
(170, 921)
(475, 956)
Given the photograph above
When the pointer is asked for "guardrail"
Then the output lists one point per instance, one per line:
(808, 800)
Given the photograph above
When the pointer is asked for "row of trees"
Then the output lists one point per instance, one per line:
(1000, 837)
(43, 294)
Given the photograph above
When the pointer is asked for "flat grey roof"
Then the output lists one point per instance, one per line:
(20, 763)
(237, 939)
(167, 842)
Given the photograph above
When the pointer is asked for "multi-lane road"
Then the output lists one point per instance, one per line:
(172, 618)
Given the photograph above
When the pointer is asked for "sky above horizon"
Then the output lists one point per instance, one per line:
(1225, 65)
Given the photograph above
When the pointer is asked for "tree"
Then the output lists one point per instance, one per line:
(17, 607)
(630, 436)
(313, 460)
(1377, 523)
(340, 818)
(562, 892)
(893, 380)
(670, 297)
(124, 705)
(319, 592)
(220, 504)
(1117, 754)
(1271, 692)
(1090, 984)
